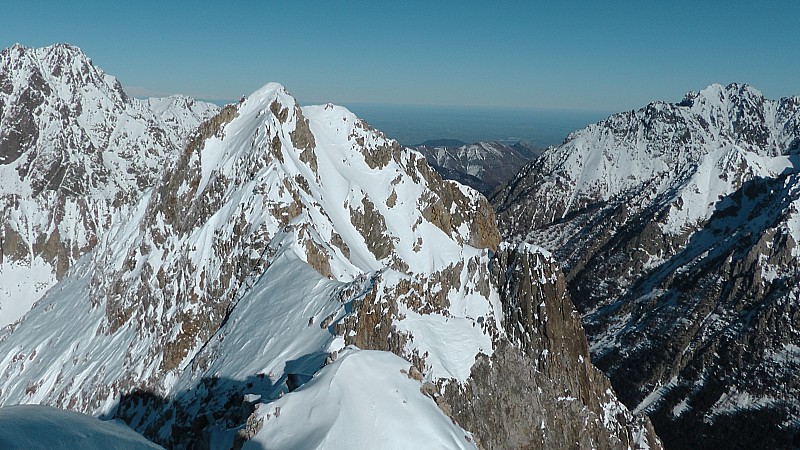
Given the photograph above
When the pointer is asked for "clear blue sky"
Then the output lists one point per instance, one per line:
(589, 55)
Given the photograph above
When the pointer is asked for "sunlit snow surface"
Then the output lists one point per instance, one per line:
(597, 163)
(21, 284)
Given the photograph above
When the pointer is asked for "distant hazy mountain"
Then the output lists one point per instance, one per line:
(678, 228)
(442, 143)
(482, 166)
(295, 279)
(528, 149)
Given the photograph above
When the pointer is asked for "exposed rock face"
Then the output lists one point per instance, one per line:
(482, 165)
(280, 235)
(75, 154)
(539, 377)
(541, 374)
(677, 226)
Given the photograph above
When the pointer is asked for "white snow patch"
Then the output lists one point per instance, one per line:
(21, 284)
(448, 344)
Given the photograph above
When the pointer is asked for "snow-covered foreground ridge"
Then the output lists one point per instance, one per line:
(75, 154)
(282, 241)
(24, 427)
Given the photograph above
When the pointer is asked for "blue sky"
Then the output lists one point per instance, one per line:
(583, 55)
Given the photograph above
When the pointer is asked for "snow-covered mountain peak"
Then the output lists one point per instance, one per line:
(337, 176)
(741, 114)
(658, 216)
(647, 153)
(78, 118)
(719, 95)
(265, 184)
(62, 70)
(57, 58)
(75, 154)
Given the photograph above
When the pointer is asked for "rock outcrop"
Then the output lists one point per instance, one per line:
(540, 377)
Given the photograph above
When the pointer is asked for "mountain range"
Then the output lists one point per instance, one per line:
(270, 275)
(677, 227)
(266, 275)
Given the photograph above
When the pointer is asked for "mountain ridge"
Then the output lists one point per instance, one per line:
(481, 165)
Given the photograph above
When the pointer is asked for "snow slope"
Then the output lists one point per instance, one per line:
(365, 399)
(264, 197)
(688, 153)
